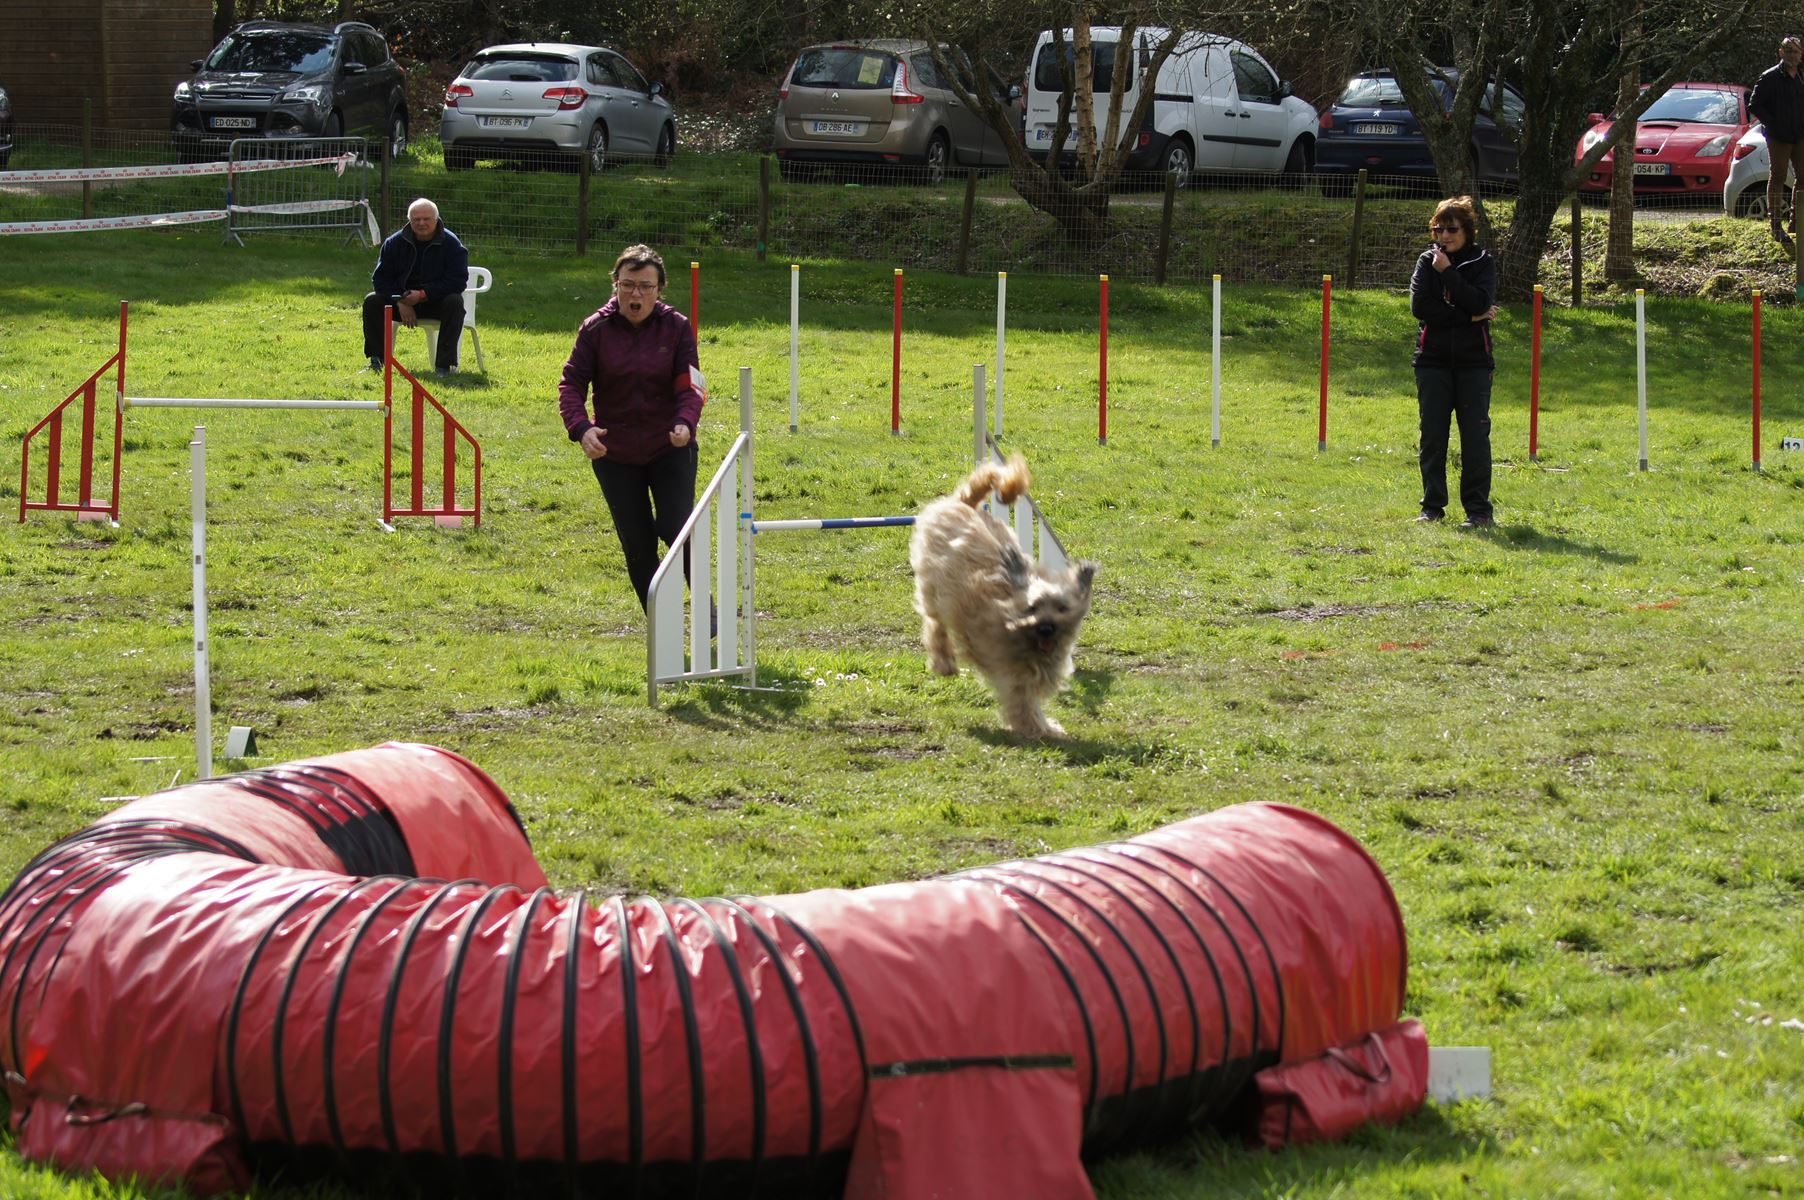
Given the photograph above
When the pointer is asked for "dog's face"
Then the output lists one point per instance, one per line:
(1054, 604)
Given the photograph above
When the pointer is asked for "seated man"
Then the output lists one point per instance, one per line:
(422, 270)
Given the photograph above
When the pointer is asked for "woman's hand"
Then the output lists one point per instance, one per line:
(1441, 261)
(1489, 314)
(592, 444)
(679, 436)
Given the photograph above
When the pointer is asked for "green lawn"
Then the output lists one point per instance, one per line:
(1573, 744)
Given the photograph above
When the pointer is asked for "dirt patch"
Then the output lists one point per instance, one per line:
(1322, 612)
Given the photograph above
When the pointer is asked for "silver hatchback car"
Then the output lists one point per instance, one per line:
(538, 97)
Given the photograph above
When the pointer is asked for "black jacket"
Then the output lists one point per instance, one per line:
(1445, 303)
(1778, 102)
(440, 267)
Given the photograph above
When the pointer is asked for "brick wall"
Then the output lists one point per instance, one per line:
(127, 55)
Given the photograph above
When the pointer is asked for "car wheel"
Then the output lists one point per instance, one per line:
(397, 136)
(459, 158)
(597, 149)
(1178, 161)
(1297, 161)
(1752, 201)
(666, 146)
(939, 157)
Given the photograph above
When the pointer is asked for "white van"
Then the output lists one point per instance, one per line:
(1218, 106)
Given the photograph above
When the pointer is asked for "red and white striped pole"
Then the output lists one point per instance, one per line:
(1321, 433)
(1534, 379)
(895, 369)
(1756, 379)
(695, 300)
(1102, 375)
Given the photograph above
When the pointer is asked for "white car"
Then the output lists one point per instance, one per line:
(1217, 105)
(552, 97)
(1744, 192)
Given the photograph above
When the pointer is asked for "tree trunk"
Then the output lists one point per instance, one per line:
(1519, 253)
(1619, 253)
(225, 16)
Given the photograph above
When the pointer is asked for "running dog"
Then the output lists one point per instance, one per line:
(980, 599)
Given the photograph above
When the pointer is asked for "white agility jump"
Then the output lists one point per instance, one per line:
(86, 506)
(717, 543)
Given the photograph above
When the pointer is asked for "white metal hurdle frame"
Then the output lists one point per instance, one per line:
(718, 540)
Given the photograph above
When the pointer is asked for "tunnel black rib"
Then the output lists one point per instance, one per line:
(635, 1099)
(504, 1056)
(578, 908)
(330, 1033)
(753, 1049)
(447, 1122)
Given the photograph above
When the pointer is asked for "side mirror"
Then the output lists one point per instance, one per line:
(194, 64)
(657, 89)
(354, 68)
(1285, 90)
(1014, 91)
(1595, 118)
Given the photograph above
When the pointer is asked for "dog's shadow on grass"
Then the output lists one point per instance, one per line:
(1527, 537)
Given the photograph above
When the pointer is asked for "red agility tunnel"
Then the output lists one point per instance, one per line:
(353, 966)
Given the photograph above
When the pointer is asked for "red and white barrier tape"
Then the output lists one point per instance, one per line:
(172, 170)
(158, 220)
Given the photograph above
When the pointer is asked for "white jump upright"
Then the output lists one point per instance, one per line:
(1215, 365)
(1641, 369)
(718, 545)
(795, 340)
(203, 670)
(1001, 339)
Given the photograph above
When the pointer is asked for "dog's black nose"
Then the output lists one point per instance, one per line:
(1045, 629)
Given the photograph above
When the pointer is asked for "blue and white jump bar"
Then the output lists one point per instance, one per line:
(826, 523)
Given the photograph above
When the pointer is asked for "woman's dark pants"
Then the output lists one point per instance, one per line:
(649, 502)
(1443, 394)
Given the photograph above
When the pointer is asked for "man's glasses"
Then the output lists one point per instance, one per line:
(629, 288)
(1444, 229)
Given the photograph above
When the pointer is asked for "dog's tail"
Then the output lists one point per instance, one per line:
(1009, 481)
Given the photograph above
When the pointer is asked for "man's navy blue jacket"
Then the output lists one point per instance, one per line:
(440, 267)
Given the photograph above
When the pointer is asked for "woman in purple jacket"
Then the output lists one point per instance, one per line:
(638, 356)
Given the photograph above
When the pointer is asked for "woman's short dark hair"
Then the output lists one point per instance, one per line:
(1463, 212)
(638, 257)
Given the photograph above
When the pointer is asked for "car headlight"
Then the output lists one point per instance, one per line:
(1715, 147)
(183, 93)
(313, 93)
(1592, 136)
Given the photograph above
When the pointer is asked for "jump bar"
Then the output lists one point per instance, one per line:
(831, 523)
(183, 402)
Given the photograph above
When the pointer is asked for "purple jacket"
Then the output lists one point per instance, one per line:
(641, 377)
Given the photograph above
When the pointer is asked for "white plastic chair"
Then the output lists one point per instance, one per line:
(480, 280)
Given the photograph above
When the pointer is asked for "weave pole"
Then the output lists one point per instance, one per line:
(203, 685)
(1215, 366)
(795, 341)
(978, 420)
(1321, 431)
(1534, 379)
(695, 300)
(1641, 369)
(895, 367)
(1756, 379)
(1102, 373)
(1001, 311)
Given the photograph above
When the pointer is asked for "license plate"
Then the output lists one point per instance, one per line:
(232, 122)
(1653, 168)
(1377, 130)
(843, 128)
(506, 122)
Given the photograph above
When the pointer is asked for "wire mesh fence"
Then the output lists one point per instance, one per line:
(1250, 227)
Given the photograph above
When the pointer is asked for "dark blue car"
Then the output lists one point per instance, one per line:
(1371, 127)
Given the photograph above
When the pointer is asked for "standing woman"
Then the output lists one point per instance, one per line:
(638, 356)
(1453, 293)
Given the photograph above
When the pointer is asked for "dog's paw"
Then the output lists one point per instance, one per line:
(942, 666)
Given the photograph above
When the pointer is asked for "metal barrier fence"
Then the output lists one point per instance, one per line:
(302, 198)
(1254, 228)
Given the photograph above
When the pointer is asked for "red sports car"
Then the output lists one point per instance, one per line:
(1684, 142)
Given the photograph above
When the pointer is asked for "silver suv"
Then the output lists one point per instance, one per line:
(546, 96)
(880, 102)
(278, 79)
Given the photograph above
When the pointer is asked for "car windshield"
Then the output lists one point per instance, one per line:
(293, 50)
(1048, 77)
(843, 67)
(1707, 107)
(518, 68)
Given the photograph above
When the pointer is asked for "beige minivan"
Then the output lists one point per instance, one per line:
(880, 103)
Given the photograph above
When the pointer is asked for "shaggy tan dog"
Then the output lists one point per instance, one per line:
(980, 599)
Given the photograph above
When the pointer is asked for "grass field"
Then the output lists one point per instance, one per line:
(1572, 743)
